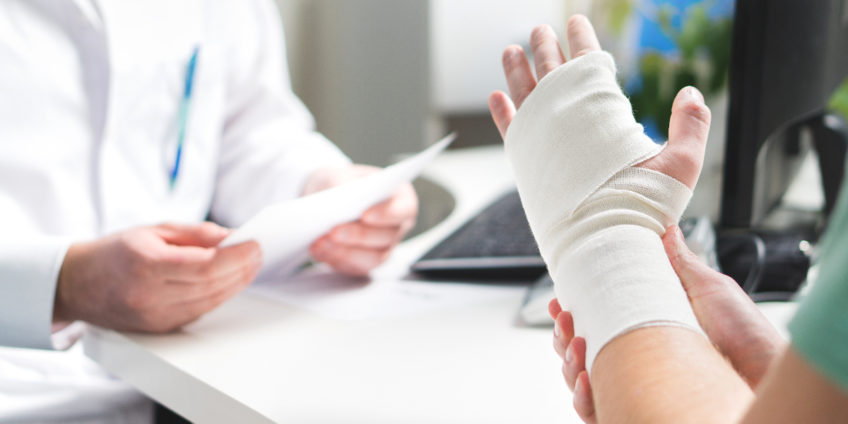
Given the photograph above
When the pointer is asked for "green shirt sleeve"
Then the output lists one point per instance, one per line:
(820, 328)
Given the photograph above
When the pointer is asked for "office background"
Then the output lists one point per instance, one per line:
(386, 77)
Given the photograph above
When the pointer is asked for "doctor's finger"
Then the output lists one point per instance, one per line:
(206, 234)
(190, 310)
(196, 264)
(400, 207)
(583, 401)
(357, 234)
(554, 308)
(547, 54)
(180, 291)
(502, 110)
(575, 361)
(563, 332)
(519, 76)
(349, 260)
(581, 36)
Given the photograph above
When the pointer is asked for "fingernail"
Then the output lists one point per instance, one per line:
(513, 52)
(694, 94)
(556, 329)
(568, 354)
(578, 387)
(373, 217)
(342, 234)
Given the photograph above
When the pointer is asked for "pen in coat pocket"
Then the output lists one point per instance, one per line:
(182, 119)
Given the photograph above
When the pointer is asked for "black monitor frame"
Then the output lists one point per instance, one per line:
(788, 57)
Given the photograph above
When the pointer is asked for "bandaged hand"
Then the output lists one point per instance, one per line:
(597, 192)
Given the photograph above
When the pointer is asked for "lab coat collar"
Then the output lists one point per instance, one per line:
(90, 10)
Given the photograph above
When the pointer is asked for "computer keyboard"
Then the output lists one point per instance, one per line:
(497, 243)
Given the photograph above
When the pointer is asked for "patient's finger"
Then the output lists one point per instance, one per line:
(581, 36)
(547, 54)
(502, 111)
(519, 76)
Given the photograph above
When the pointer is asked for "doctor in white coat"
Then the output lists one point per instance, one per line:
(92, 94)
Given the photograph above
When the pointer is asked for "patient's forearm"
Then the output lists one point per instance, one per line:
(666, 375)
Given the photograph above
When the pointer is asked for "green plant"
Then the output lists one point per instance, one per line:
(839, 101)
(617, 13)
(703, 44)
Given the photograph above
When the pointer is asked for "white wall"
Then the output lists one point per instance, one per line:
(295, 15)
(468, 38)
(381, 76)
(362, 67)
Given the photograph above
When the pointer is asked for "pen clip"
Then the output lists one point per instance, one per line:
(182, 117)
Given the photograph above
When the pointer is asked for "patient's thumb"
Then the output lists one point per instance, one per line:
(690, 120)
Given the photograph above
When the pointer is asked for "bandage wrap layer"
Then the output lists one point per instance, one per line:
(597, 218)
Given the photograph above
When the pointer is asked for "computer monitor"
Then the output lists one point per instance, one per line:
(787, 59)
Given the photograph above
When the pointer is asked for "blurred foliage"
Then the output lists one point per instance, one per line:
(618, 12)
(839, 101)
(703, 44)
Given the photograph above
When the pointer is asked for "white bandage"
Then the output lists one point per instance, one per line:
(597, 218)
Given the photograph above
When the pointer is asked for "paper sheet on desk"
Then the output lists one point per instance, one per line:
(324, 292)
(285, 230)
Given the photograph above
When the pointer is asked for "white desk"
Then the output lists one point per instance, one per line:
(257, 360)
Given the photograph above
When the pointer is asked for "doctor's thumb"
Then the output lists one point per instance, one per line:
(205, 234)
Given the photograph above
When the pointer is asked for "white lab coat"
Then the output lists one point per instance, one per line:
(89, 97)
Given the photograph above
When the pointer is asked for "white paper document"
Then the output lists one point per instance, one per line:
(327, 293)
(285, 230)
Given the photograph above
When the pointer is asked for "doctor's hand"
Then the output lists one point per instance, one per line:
(733, 323)
(152, 279)
(355, 248)
(690, 118)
